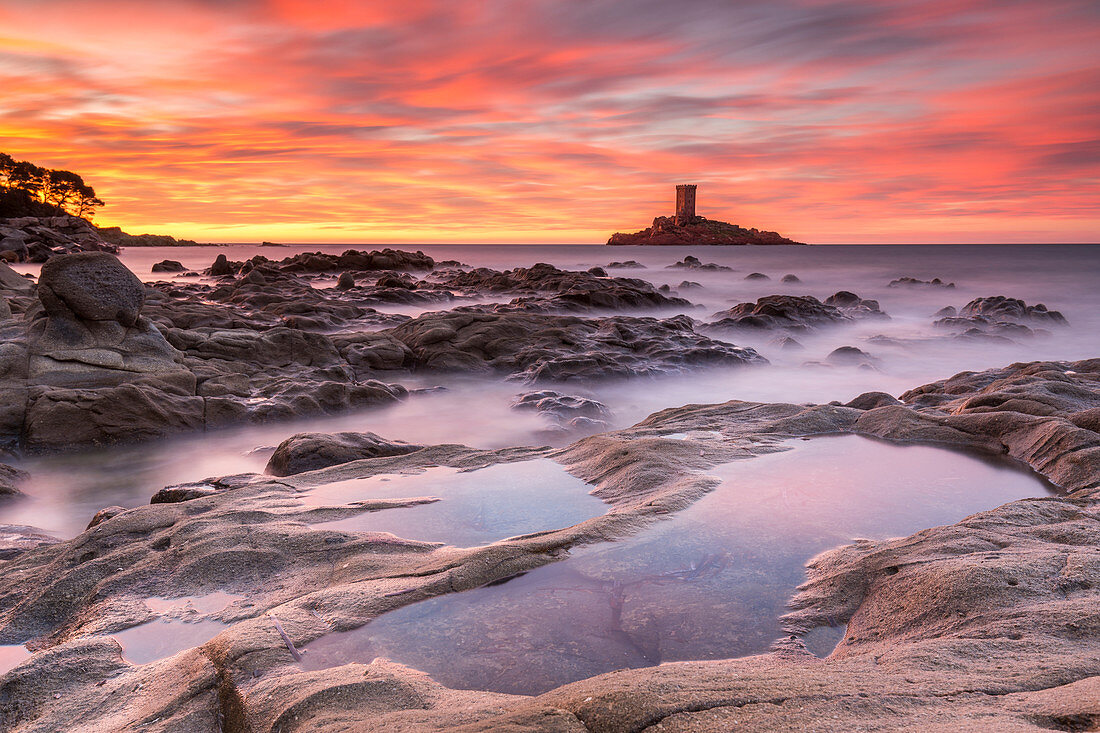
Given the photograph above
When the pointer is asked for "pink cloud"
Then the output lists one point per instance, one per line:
(543, 121)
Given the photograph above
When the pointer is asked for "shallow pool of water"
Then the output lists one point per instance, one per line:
(164, 637)
(11, 656)
(709, 583)
(474, 507)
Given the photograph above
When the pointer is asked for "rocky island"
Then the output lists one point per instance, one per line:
(686, 228)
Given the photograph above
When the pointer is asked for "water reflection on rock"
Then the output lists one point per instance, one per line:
(710, 583)
(475, 507)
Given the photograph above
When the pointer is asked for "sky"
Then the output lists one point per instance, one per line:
(564, 120)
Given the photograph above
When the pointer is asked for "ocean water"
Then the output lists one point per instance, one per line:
(66, 490)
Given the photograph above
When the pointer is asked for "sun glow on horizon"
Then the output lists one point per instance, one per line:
(550, 121)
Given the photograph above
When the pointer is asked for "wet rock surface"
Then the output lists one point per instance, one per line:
(568, 412)
(795, 313)
(999, 317)
(912, 282)
(923, 615)
(168, 266)
(694, 263)
(15, 539)
(543, 288)
(531, 348)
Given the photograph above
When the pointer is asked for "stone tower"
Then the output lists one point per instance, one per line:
(685, 203)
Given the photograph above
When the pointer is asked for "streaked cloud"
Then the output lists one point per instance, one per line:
(564, 120)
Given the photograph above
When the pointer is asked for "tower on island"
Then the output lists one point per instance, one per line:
(685, 203)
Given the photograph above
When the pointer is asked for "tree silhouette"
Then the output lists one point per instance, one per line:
(34, 189)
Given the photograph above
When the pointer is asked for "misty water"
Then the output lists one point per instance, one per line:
(65, 491)
(708, 565)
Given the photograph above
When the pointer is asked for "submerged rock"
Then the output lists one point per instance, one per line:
(168, 266)
(912, 282)
(850, 356)
(358, 261)
(998, 317)
(854, 306)
(560, 404)
(693, 263)
(543, 288)
(311, 451)
(346, 281)
(1001, 308)
(796, 312)
(788, 344)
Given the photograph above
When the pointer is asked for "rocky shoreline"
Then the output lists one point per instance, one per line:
(93, 347)
(924, 614)
(93, 356)
(984, 624)
(37, 239)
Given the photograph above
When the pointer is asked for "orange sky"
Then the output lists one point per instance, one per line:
(564, 120)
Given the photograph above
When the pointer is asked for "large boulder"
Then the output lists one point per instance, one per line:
(311, 451)
(789, 312)
(91, 286)
(89, 331)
